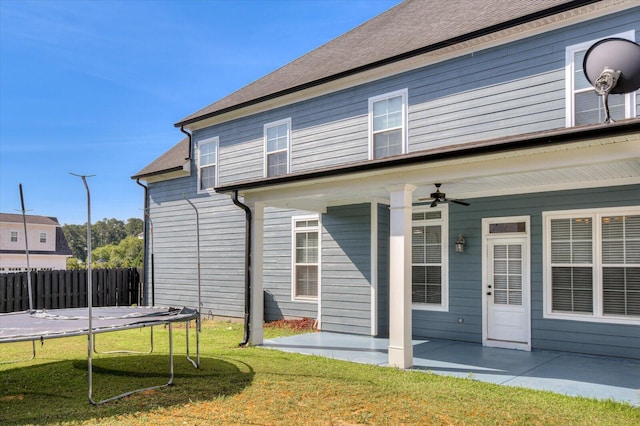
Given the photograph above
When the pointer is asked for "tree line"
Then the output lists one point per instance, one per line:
(114, 243)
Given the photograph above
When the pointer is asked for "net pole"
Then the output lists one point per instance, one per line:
(26, 247)
(89, 292)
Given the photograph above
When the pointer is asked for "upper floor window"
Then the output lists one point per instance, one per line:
(43, 237)
(207, 164)
(277, 138)
(583, 104)
(14, 236)
(306, 257)
(388, 124)
(594, 265)
(429, 276)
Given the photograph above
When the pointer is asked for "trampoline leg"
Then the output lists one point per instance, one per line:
(33, 355)
(122, 395)
(195, 363)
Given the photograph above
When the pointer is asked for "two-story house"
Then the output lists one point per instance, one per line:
(327, 170)
(48, 248)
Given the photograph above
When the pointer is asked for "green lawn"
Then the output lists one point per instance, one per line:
(261, 386)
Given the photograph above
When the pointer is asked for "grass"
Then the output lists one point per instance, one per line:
(262, 387)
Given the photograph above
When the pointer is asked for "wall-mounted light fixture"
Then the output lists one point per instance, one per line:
(460, 244)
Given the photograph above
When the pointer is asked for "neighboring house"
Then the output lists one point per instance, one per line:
(337, 153)
(48, 248)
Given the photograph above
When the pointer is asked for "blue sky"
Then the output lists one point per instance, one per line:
(94, 87)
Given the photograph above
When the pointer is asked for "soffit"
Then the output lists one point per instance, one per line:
(605, 161)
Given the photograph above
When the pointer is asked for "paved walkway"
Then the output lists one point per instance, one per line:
(597, 377)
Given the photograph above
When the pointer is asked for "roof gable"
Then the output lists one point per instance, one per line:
(17, 218)
(171, 161)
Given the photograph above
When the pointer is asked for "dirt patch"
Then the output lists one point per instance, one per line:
(303, 324)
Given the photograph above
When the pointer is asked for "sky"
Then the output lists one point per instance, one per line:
(95, 87)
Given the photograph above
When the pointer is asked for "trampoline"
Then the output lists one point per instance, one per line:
(39, 325)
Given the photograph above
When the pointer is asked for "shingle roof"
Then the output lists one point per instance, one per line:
(171, 160)
(17, 218)
(410, 28)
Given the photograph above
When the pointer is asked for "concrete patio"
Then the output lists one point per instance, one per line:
(617, 379)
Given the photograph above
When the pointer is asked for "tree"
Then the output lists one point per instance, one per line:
(126, 254)
(76, 236)
(105, 232)
(134, 226)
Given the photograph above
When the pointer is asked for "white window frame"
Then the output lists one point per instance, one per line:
(596, 215)
(42, 237)
(444, 256)
(214, 140)
(404, 93)
(266, 153)
(12, 235)
(570, 51)
(294, 231)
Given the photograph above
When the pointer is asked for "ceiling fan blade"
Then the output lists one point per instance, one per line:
(462, 203)
(434, 203)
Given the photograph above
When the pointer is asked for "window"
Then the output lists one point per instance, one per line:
(14, 236)
(207, 164)
(594, 265)
(277, 137)
(388, 124)
(429, 276)
(306, 257)
(583, 104)
(43, 237)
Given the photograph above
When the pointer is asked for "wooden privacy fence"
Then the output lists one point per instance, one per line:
(68, 289)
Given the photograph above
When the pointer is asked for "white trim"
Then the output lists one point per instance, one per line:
(526, 238)
(404, 93)
(215, 140)
(374, 268)
(630, 98)
(267, 126)
(294, 230)
(444, 225)
(596, 265)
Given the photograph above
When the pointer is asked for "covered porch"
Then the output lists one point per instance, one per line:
(598, 377)
(599, 156)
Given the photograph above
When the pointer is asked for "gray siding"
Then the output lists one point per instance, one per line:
(175, 248)
(277, 268)
(515, 88)
(346, 269)
(465, 276)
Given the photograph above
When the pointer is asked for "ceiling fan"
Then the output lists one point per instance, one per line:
(440, 197)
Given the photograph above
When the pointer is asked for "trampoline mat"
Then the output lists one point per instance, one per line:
(53, 323)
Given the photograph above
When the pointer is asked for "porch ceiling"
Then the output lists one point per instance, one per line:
(606, 161)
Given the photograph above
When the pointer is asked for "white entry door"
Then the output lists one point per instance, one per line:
(507, 313)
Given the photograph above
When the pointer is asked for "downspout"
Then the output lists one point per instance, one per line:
(247, 267)
(145, 263)
(190, 141)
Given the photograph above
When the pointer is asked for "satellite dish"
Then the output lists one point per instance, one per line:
(612, 66)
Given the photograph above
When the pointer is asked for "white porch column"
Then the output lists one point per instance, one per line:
(400, 345)
(257, 294)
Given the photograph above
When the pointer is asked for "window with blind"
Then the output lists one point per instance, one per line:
(429, 277)
(593, 269)
(306, 257)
